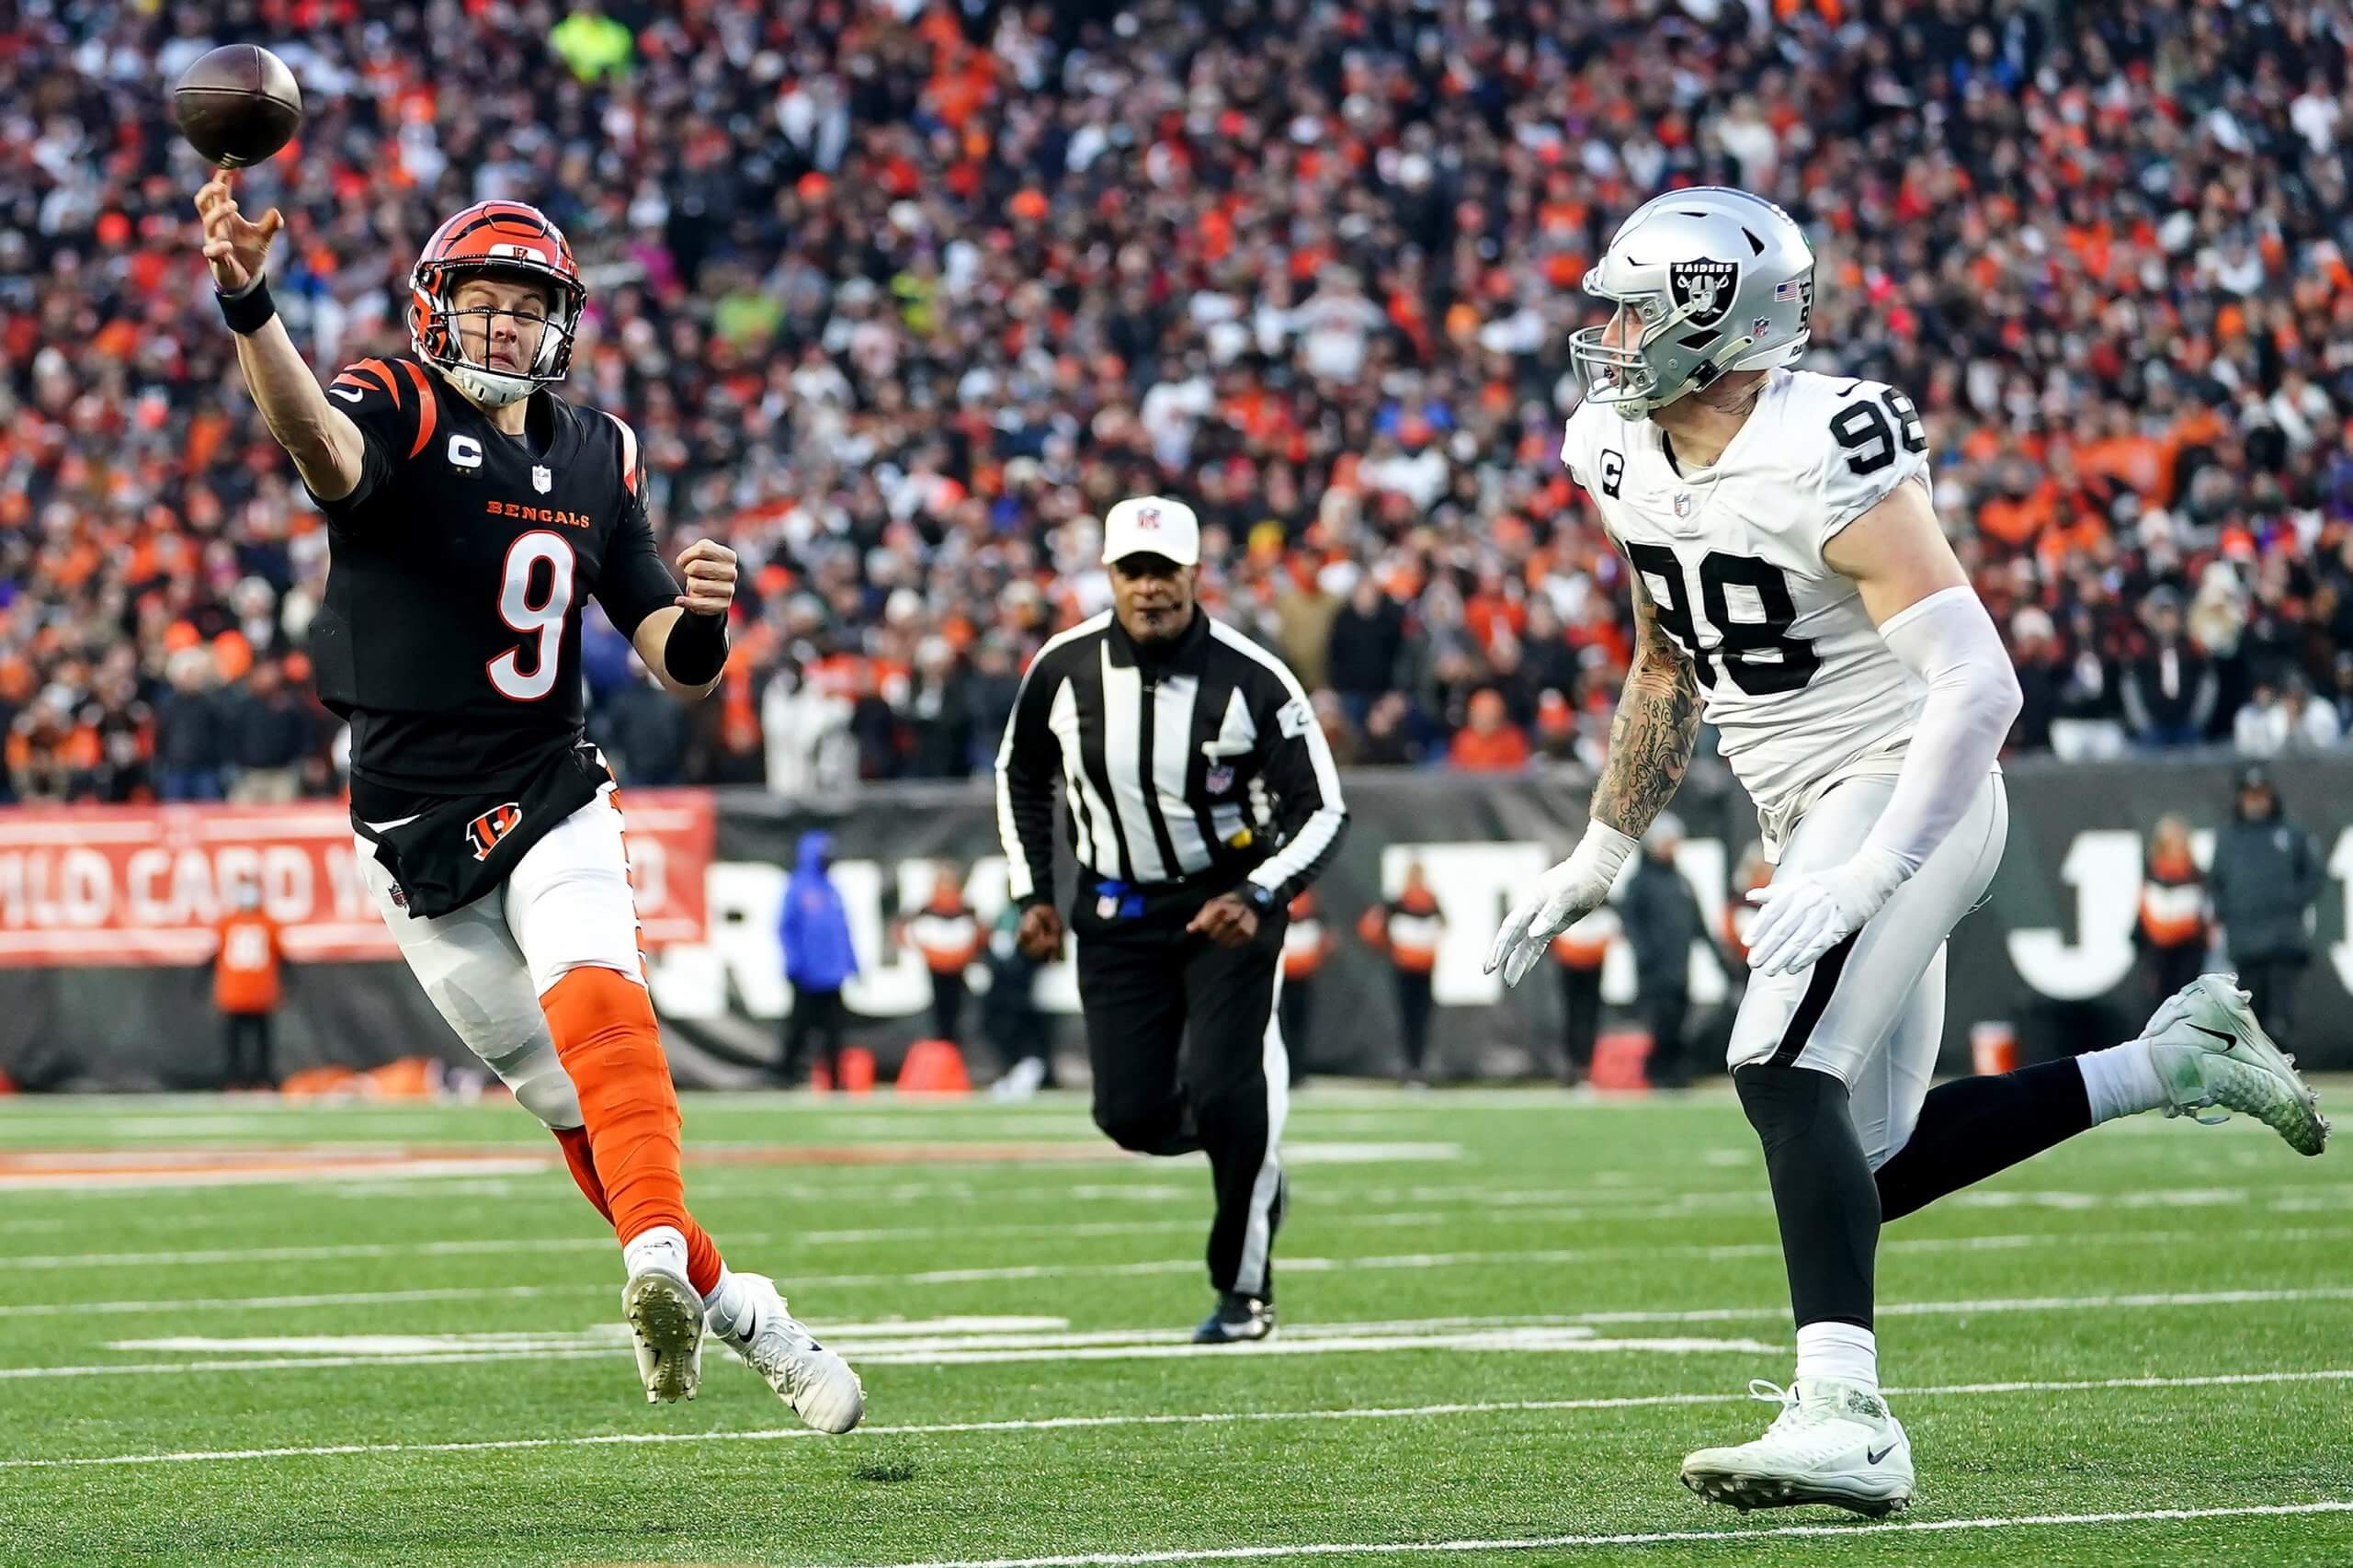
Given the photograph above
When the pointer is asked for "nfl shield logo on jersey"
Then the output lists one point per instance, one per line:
(1683, 502)
(1705, 286)
(1218, 779)
(541, 480)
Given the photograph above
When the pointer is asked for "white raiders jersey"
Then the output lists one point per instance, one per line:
(1800, 689)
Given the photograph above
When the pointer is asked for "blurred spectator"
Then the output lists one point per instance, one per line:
(1307, 942)
(2265, 873)
(1018, 1030)
(247, 960)
(813, 929)
(642, 728)
(898, 297)
(2171, 933)
(1662, 919)
(1406, 930)
(1579, 952)
(948, 938)
(191, 739)
(2170, 691)
(270, 736)
(1489, 742)
(941, 714)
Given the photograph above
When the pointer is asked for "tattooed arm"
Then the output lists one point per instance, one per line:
(1650, 746)
(1656, 726)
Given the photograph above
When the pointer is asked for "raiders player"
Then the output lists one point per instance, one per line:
(471, 513)
(1790, 574)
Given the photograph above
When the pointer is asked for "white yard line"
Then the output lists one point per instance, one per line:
(1233, 1417)
(1643, 1538)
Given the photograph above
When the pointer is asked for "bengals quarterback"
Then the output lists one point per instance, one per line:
(471, 513)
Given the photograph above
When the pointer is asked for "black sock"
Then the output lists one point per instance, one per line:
(1823, 1192)
(1972, 1127)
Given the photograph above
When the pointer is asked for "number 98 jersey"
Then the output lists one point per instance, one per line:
(458, 569)
(1799, 685)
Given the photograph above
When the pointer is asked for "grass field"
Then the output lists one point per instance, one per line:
(235, 1331)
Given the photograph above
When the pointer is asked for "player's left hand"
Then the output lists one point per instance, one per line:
(1800, 917)
(1225, 920)
(708, 569)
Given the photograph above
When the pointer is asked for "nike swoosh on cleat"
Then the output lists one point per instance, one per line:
(1870, 1458)
(2216, 1034)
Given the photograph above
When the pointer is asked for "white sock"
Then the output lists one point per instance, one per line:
(725, 1298)
(662, 1248)
(2120, 1080)
(1838, 1350)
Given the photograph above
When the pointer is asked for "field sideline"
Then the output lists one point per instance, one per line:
(237, 1332)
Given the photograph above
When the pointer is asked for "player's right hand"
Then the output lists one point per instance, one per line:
(1561, 897)
(1041, 936)
(236, 249)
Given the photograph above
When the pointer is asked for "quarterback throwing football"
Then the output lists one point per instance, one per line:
(1790, 574)
(472, 512)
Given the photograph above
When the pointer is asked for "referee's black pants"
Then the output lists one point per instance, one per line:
(1185, 1056)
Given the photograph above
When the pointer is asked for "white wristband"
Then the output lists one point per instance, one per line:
(1604, 848)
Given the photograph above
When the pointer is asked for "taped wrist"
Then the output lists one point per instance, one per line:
(697, 649)
(249, 309)
(1605, 849)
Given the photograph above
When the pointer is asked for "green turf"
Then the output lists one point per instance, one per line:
(1520, 1212)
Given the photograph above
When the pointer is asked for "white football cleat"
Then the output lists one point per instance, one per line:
(664, 1317)
(2209, 1050)
(816, 1382)
(1834, 1442)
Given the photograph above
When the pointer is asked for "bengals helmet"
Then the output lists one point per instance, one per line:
(498, 239)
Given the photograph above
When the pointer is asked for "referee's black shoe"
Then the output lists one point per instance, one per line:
(1238, 1318)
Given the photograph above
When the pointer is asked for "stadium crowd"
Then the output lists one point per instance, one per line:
(901, 295)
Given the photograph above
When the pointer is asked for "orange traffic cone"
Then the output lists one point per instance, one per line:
(1618, 1059)
(934, 1067)
(857, 1070)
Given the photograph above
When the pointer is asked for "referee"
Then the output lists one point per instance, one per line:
(1201, 797)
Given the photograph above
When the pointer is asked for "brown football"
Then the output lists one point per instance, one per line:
(238, 105)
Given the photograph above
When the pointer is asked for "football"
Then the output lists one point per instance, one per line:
(237, 105)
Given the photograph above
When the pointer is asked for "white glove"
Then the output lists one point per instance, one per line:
(1565, 895)
(1802, 917)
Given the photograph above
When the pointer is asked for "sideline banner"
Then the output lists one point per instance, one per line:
(83, 894)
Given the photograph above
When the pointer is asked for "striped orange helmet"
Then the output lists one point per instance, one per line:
(498, 239)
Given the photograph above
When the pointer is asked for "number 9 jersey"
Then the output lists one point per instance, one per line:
(458, 565)
(1800, 689)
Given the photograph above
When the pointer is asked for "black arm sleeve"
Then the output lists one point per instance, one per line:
(634, 581)
(1028, 762)
(1304, 785)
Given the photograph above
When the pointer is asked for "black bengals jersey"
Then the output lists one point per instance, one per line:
(457, 567)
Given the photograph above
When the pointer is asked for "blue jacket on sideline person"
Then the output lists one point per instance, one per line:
(815, 927)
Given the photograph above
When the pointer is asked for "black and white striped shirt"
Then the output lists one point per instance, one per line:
(1176, 762)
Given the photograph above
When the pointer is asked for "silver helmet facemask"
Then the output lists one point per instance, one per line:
(1705, 281)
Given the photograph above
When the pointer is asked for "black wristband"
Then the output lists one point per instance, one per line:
(249, 309)
(697, 650)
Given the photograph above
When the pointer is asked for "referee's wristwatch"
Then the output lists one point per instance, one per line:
(1259, 896)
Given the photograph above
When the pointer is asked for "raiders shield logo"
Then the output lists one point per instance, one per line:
(483, 833)
(541, 480)
(1706, 287)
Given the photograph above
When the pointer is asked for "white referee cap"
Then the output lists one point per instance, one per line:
(1152, 524)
